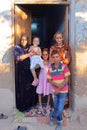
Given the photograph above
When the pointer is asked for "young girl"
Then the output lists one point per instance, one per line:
(35, 59)
(44, 86)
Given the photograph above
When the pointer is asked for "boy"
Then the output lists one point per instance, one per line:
(58, 75)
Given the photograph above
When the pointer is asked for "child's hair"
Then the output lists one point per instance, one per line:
(58, 33)
(45, 49)
(34, 38)
(54, 52)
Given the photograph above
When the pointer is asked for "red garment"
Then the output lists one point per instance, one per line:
(64, 51)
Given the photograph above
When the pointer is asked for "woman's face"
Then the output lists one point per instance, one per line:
(59, 39)
(45, 55)
(23, 41)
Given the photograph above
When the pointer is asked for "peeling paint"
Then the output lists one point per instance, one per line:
(81, 22)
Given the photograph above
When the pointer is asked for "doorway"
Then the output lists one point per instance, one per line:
(41, 20)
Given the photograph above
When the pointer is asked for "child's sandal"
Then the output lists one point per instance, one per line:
(31, 113)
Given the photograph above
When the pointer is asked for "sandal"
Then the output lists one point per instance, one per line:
(31, 113)
(39, 112)
(48, 107)
(66, 114)
(21, 128)
(2, 116)
(46, 112)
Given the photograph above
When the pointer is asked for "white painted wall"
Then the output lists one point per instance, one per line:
(7, 100)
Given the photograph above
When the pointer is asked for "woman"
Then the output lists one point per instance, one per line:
(25, 93)
(64, 49)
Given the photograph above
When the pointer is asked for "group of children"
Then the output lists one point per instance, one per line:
(42, 59)
(54, 75)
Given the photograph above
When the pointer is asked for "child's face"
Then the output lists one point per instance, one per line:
(36, 41)
(45, 55)
(59, 38)
(56, 58)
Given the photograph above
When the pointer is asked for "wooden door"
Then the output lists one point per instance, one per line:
(66, 25)
(22, 22)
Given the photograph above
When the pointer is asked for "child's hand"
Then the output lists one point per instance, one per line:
(37, 66)
(56, 91)
(30, 50)
(34, 52)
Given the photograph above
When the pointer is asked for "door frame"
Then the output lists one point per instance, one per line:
(68, 21)
(66, 18)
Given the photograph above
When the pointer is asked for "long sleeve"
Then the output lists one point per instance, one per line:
(17, 51)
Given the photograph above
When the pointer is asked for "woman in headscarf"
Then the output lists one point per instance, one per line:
(25, 93)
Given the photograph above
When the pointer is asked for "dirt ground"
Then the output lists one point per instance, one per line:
(74, 122)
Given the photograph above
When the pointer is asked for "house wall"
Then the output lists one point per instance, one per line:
(80, 54)
(7, 84)
(77, 37)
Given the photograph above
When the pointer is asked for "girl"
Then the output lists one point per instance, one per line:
(35, 59)
(44, 87)
(64, 49)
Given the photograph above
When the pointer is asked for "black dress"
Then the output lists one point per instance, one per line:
(26, 96)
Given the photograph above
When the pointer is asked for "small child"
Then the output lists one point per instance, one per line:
(44, 87)
(58, 76)
(35, 59)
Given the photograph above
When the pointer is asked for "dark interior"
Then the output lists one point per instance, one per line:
(46, 20)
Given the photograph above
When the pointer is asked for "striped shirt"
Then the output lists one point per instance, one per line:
(58, 75)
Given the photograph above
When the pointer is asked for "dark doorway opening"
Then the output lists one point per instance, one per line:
(46, 19)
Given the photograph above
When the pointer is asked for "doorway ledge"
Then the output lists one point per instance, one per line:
(42, 2)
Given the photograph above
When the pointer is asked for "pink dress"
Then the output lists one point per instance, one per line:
(44, 87)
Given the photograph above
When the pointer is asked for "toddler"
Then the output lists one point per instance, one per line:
(35, 59)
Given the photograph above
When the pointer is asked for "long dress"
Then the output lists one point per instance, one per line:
(44, 87)
(26, 96)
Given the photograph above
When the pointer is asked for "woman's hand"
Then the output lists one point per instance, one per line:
(18, 58)
(23, 57)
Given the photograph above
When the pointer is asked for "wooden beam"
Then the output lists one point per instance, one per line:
(66, 25)
(43, 2)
